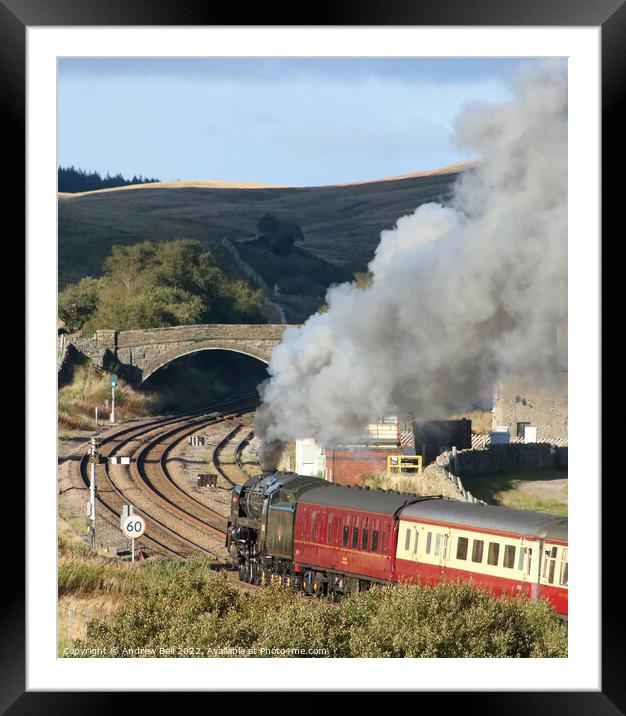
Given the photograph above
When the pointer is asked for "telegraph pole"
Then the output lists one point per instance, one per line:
(94, 458)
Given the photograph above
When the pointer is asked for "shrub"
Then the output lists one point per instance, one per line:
(184, 603)
(450, 621)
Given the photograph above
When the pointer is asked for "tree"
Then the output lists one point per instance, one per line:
(156, 308)
(280, 235)
(267, 225)
(157, 284)
(78, 302)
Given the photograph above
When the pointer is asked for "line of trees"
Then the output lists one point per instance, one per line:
(72, 180)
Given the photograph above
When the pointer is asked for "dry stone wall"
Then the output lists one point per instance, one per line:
(272, 310)
(502, 458)
(435, 480)
(445, 475)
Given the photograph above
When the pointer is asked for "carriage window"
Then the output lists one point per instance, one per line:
(417, 534)
(329, 534)
(407, 539)
(493, 554)
(520, 560)
(437, 544)
(382, 541)
(313, 519)
(355, 537)
(477, 550)
(346, 535)
(551, 559)
(374, 540)
(461, 548)
(364, 539)
(563, 570)
(509, 556)
(429, 541)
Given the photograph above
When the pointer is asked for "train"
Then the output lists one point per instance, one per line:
(325, 539)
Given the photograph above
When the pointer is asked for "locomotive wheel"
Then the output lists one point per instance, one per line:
(317, 585)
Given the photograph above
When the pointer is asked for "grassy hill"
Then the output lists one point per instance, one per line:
(341, 223)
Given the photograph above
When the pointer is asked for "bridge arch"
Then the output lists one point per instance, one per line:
(138, 353)
(168, 357)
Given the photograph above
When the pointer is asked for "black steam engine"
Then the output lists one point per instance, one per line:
(261, 525)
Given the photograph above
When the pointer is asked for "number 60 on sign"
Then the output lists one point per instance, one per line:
(134, 526)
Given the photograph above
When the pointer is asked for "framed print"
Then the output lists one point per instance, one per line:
(204, 200)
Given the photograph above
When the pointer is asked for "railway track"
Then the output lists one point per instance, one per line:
(178, 524)
(227, 456)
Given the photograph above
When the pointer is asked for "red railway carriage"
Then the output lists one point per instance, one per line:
(508, 551)
(308, 534)
(348, 531)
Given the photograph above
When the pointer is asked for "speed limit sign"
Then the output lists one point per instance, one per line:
(133, 526)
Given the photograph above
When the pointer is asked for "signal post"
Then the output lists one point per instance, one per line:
(94, 459)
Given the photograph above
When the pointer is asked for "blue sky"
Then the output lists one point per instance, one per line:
(289, 121)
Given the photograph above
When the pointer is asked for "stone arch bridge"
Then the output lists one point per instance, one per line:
(139, 353)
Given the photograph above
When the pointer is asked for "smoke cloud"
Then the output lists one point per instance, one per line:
(461, 295)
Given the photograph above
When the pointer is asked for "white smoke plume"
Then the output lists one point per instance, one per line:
(460, 296)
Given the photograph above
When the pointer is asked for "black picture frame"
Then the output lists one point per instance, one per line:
(610, 15)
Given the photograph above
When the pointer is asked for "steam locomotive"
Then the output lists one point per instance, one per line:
(325, 539)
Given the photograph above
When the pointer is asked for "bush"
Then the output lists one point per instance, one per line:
(185, 604)
(450, 621)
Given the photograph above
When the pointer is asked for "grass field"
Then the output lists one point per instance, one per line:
(541, 490)
(341, 223)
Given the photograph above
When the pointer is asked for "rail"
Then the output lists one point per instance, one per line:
(179, 525)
